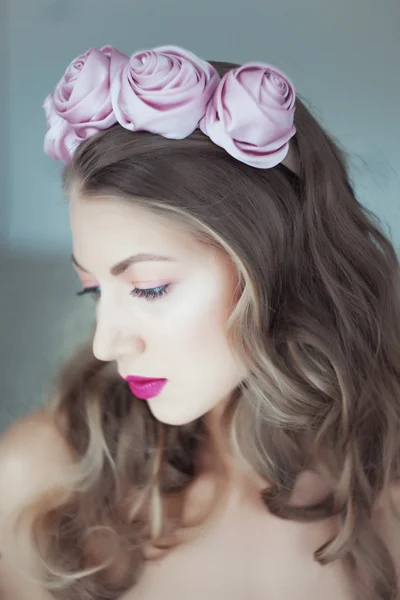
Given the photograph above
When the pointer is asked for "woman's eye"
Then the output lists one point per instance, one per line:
(91, 291)
(148, 294)
(151, 293)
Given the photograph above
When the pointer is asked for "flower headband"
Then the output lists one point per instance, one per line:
(171, 92)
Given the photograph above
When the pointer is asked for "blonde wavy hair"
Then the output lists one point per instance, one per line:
(317, 322)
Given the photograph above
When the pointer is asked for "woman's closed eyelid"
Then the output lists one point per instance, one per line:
(153, 292)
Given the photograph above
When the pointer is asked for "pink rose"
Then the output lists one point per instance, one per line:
(61, 140)
(80, 105)
(251, 114)
(164, 90)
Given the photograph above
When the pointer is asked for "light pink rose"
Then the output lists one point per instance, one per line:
(80, 105)
(251, 114)
(164, 90)
(61, 140)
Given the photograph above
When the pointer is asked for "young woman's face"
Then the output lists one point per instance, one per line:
(160, 318)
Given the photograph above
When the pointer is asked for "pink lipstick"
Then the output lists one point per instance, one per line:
(145, 387)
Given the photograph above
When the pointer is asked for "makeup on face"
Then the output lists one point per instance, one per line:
(151, 283)
(182, 334)
(145, 387)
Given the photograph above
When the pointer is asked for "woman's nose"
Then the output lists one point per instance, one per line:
(113, 337)
(104, 342)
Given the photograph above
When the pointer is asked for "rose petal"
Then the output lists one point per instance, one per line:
(61, 140)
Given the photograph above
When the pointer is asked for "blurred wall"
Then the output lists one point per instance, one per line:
(5, 183)
(342, 56)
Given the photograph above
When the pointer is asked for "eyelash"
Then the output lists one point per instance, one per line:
(149, 294)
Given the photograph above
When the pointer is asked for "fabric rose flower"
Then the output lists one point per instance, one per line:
(80, 105)
(61, 140)
(164, 90)
(251, 114)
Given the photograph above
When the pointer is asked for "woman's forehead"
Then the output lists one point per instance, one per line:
(129, 228)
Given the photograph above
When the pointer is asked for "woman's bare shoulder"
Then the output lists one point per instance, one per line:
(32, 451)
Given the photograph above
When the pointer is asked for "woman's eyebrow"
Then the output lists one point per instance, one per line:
(122, 266)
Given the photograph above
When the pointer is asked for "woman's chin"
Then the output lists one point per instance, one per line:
(170, 416)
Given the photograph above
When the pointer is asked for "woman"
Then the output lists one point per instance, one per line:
(232, 429)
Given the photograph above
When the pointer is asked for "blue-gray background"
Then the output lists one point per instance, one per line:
(343, 56)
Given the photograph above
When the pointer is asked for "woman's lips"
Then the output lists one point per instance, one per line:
(145, 388)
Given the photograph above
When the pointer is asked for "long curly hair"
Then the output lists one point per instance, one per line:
(317, 322)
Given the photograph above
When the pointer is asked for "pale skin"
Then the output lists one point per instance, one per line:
(245, 553)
